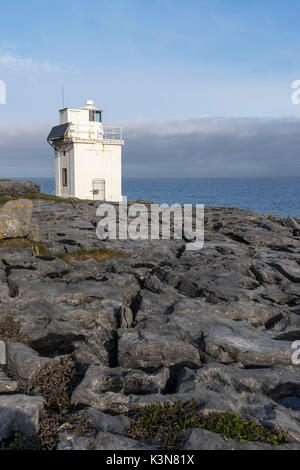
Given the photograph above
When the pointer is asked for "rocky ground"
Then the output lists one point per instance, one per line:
(14, 188)
(159, 325)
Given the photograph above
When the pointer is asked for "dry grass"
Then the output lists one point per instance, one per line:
(53, 423)
(15, 243)
(99, 254)
(38, 249)
(55, 383)
(10, 331)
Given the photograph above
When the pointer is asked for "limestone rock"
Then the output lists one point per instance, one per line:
(199, 439)
(105, 422)
(161, 324)
(110, 441)
(24, 361)
(6, 384)
(15, 219)
(119, 390)
(19, 413)
(14, 188)
(2, 353)
(142, 349)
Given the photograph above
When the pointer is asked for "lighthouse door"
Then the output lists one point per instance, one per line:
(99, 190)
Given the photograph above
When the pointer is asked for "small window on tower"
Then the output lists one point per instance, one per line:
(95, 116)
(64, 177)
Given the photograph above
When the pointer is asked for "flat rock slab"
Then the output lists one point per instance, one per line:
(200, 439)
(142, 349)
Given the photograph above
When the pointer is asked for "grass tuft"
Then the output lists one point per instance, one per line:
(168, 425)
(38, 249)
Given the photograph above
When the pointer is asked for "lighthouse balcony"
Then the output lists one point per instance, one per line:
(94, 133)
(112, 133)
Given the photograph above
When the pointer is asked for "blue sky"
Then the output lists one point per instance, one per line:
(142, 60)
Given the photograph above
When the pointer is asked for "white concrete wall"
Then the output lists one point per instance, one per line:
(111, 171)
(64, 161)
(97, 161)
(57, 174)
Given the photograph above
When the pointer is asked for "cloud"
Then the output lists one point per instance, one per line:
(208, 147)
(24, 150)
(202, 147)
(13, 62)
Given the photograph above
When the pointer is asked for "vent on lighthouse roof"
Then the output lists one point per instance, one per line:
(90, 105)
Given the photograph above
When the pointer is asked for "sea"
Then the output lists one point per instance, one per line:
(276, 196)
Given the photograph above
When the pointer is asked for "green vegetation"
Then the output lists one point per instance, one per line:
(168, 424)
(14, 444)
(99, 254)
(46, 197)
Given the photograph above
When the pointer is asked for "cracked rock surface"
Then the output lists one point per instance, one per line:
(159, 325)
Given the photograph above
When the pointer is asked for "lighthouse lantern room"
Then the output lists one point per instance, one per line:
(88, 155)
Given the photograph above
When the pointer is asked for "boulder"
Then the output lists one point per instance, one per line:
(19, 413)
(15, 219)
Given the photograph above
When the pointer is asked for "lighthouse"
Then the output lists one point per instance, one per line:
(88, 155)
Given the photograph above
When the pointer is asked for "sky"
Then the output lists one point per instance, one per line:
(201, 87)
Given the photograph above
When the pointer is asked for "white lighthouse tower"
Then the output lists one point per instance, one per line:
(88, 155)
